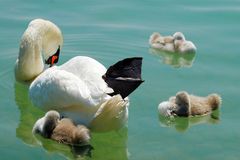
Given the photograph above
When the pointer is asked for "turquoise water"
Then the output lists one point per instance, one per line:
(110, 31)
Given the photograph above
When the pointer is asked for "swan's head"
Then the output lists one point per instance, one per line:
(50, 39)
(46, 36)
(40, 45)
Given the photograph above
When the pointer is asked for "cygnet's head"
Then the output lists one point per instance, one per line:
(154, 38)
(179, 36)
(166, 109)
(182, 45)
(179, 39)
(50, 121)
(164, 43)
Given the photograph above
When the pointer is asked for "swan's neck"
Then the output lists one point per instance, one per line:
(29, 63)
(40, 40)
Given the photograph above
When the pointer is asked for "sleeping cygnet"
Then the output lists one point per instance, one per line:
(182, 45)
(66, 132)
(62, 131)
(164, 43)
(186, 105)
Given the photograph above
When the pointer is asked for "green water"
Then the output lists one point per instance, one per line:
(112, 30)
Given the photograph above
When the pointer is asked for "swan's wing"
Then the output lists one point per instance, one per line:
(89, 71)
(55, 89)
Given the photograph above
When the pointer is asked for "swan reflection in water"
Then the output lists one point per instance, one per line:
(103, 145)
(182, 124)
(176, 60)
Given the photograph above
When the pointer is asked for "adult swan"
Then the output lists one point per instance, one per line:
(82, 88)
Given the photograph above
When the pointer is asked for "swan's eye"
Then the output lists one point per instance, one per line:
(54, 58)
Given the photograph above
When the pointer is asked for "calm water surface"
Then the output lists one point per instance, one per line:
(112, 30)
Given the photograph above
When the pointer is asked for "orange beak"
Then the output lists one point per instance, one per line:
(54, 58)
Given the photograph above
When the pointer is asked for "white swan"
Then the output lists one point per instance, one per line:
(76, 89)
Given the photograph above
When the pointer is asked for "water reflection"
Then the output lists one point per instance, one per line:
(28, 114)
(71, 152)
(182, 124)
(174, 59)
(80, 151)
(112, 145)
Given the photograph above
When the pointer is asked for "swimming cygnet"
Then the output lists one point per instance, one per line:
(181, 45)
(62, 131)
(164, 43)
(184, 104)
(175, 43)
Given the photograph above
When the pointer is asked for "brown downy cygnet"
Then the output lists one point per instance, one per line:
(66, 132)
(186, 105)
(164, 43)
(181, 45)
(62, 131)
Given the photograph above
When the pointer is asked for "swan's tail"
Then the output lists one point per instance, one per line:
(111, 115)
(124, 76)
